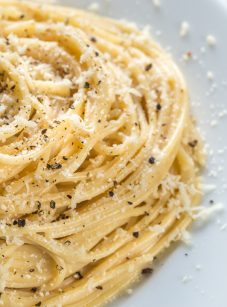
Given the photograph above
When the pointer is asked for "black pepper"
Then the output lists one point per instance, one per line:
(52, 204)
(99, 287)
(147, 271)
(158, 107)
(93, 39)
(33, 289)
(86, 85)
(193, 143)
(54, 166)
(111, 193)
(21, 222)
(148, 67)
(136, 234)
(151, 160)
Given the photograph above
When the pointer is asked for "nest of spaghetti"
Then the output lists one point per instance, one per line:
(99, 156)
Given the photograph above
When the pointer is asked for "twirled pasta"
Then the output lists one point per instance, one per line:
(99, 157)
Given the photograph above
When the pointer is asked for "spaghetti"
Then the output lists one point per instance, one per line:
(99, 156)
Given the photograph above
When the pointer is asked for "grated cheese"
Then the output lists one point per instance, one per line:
(213, 123)
(206, 213)
(202, 49)
(157, 228)
(184, 29)
(211, 40)
(129, 291)
(15, 240)
(198, 267)
(186, 278)
(223, 227)
(210, 76)
(95, 7)
(207, 188)
(186, 237)
(156, 3)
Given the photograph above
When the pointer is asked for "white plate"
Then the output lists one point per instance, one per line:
(207, 287)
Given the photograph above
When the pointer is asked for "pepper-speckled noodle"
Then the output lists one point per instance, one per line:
(99, 156)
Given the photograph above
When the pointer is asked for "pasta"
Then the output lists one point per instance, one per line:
(99, 156)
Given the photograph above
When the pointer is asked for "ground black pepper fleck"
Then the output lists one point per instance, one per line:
(148, 67)
(111, 193)
(54, 166)
(52, 204)
(86, 85)
(136, 234)
(146, 271)
(99, 287)
(93, 39)
(158, 107)
(193, 143)
(151, 160)
(33, 289)
(21, 222)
